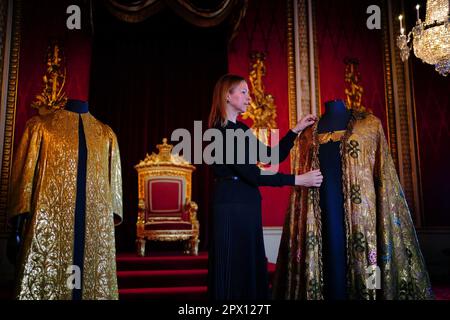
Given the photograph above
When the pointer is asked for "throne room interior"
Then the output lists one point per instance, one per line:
(147, 68)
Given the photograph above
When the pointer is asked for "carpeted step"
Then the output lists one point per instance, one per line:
(161, 278)
(198, 293)
(130, 262)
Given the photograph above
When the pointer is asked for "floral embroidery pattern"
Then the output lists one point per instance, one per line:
(311, 240)
(353, 148)
(355, 194)
(313, 289)
(359, 242)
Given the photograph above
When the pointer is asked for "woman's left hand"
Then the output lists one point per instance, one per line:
(304, 122)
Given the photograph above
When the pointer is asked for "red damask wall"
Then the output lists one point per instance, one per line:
(43, 21)
(432, 101)
(342, 33)
(264, 29)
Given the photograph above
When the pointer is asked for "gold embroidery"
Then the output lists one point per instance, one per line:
(378, 225)
(44, 181)
(332, 136)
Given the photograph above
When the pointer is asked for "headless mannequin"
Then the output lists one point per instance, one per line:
(335, 118)
(78, 106)
(19, 222)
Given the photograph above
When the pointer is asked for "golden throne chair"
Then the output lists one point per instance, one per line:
(165, 209)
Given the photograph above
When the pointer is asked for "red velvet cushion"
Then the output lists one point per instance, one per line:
(168, 226)
(165, 196)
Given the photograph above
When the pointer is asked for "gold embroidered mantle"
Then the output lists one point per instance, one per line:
(44, 182)
(379, 229)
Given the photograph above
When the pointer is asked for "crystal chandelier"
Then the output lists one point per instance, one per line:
(431, 39)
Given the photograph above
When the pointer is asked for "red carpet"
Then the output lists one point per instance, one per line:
(442, 292)
(180, 277)
(162, 277)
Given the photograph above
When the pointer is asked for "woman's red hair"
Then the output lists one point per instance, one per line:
(225, 85)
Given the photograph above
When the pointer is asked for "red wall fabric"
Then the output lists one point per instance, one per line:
(148, 79)
(432, 98)
(264, 29)
(43, 21)
(342, 33)
(432, 102)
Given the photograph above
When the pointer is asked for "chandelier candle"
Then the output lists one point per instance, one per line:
(400, 17)
(430, 39)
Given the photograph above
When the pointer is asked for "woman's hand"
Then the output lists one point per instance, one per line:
(304, 122)
(312, 178)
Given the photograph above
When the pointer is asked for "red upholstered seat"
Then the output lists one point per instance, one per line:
(165, 197)
(166, 212)
(168, 226)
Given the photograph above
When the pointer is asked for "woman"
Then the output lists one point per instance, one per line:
(238, 267)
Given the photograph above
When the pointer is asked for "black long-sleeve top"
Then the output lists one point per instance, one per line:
(250, 175)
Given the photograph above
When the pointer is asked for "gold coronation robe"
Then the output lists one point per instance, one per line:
(44, 183)
(378, 226)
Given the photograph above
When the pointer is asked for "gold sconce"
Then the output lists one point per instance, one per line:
(262, 109)
(354, 89)
(53, 96)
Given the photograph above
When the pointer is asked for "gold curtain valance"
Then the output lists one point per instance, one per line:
(139, 10)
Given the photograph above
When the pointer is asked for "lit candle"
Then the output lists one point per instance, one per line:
(417, 8)
(400, 17)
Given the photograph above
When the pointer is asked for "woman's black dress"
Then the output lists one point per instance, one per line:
(238, 265)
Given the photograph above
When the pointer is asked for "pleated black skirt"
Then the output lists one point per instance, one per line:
(237, 261)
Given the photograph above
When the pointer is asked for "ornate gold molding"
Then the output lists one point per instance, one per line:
(3, 27)
(262, 110)
(292, 96)
(354, 89)
(303, 72)
(53, 96)
(388, 89)
(10, 113)
(400, 112)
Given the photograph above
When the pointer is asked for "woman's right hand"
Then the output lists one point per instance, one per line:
(312, 178)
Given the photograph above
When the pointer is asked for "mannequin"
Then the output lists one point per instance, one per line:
(79, 106)
(356, 224)
(66, 180)
(19, 222)
(335, 119)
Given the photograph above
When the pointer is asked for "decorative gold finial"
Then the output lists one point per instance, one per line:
(262, 109)
(164, 156)
(53, 96)
(353, 90)
(164, 150)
